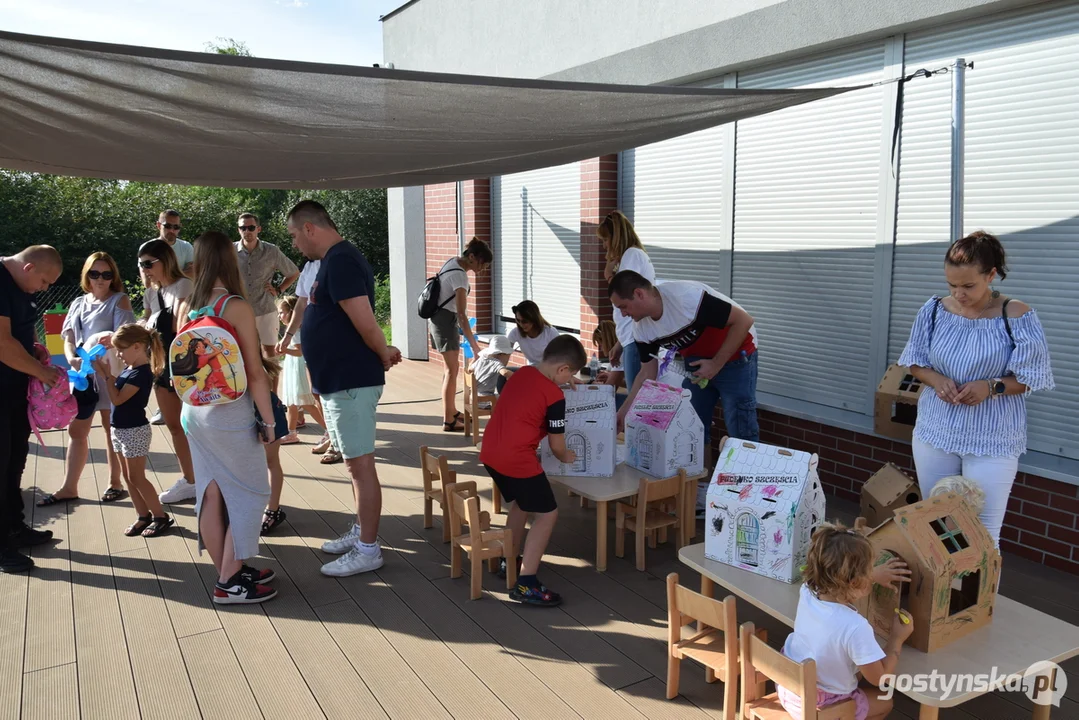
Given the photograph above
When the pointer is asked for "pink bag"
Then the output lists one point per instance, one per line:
(50, 409)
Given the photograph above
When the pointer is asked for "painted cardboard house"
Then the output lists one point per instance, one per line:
(591, 431)
(763, 504)
(895, 406)
(954, 571)
(663, 432)
(887, 491)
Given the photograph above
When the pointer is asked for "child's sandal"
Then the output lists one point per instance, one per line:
(271, 519)
(136, 528)
(159, 526)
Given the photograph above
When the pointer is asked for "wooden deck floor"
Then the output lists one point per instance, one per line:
(115, 627)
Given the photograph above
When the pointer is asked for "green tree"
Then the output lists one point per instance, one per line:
(228, 46)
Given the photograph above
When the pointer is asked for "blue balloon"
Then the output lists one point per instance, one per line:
(78, 377)
(468, 345)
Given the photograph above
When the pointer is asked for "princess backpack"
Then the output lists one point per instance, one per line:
(50, 408)
(205, 359)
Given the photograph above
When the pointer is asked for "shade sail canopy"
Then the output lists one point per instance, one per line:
(112, 111)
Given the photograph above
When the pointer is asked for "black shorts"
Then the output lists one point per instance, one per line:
(86, 400)
(531, 494)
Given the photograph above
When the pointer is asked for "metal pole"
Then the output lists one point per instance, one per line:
(958, 141)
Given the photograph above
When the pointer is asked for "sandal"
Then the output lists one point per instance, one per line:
(136, 528)
(331, 457)
(113, 494)
(271, 519)
(159, 526)
(322, 446)
(51, 499)
(452, 425)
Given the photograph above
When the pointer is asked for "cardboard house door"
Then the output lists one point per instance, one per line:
(578, 444)
(644, 448)
(747, 539)
(684, 454)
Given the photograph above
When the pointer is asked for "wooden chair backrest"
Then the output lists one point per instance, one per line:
(653, 490)
(759, 657)
(436, 470)
(692, 605)
(471, 393)
(464, 502)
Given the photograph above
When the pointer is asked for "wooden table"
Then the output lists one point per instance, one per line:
(1018, 637)
(623, 484)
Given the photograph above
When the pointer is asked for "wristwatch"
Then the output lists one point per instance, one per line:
(996, 387)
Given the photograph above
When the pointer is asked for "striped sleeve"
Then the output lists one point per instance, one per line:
(1029, 362)
(916, 353)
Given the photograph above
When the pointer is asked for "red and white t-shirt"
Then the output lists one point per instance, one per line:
(694, 322)
(529, 407)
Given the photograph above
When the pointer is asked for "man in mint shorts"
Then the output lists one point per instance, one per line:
(347, 356)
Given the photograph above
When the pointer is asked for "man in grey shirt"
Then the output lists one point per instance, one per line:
(259, 261)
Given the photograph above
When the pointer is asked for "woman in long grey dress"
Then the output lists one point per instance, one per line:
(231, 482)
(102, 309)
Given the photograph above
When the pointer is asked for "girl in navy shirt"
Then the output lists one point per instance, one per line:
(140, 349)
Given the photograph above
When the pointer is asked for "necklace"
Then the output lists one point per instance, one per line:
(982, 311)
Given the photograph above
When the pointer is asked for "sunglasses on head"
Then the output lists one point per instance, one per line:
(170, 226)
(100, 275)
(248, 228)
(147, 264)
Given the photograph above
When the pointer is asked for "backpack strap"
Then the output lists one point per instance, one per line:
(214, 310)
(1007, 325)
(442, 305)
(933, 319)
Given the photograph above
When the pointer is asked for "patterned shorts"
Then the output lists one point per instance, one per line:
(132, 442)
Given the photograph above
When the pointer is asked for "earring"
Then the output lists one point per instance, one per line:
(995, 294)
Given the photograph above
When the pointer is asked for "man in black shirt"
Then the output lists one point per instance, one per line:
(31, 271)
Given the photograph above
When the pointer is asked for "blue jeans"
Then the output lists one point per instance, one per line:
(736, 386)
(631, 363)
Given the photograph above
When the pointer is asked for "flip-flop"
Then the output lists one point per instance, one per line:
(51, 499)
(113, 494)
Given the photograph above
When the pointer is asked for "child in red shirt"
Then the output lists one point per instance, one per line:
(531, 406)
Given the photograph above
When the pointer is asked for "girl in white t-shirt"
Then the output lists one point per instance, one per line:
(531, 332)
(829, 629)
(624, 252)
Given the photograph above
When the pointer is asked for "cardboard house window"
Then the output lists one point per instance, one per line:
(964, 593)
(949, 534)
(748, 539)
(644, 447)
(909, 383)
(577, 443)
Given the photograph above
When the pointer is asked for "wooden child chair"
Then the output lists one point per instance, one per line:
(472, 410)
(715, 645)
(436, 476)
(652, 511)
(760, 662)
(479, 541)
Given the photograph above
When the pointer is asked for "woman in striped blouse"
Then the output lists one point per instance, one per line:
(980, 354)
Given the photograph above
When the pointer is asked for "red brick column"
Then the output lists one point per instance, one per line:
(599, 196)
(478, 224)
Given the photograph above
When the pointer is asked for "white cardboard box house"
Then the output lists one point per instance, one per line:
(763, 504)
(663, 432)
(591, 431)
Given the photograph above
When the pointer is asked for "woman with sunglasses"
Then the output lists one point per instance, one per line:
(103, 309)
(531, 333)
(166, 288)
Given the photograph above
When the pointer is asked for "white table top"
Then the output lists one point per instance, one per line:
(624, 483)
(1018, 637)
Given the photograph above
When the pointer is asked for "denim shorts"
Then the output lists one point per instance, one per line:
(350, 419)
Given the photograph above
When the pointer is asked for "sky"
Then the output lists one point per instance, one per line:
(332, 31)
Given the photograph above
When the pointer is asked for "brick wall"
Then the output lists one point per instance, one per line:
(599, 196)
(1042, 522)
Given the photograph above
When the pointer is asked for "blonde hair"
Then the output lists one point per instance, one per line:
(287, 303)
(116, 284)
(965, 488)
(617, 231)
(839, 563)
(132, 334)
(604, 337)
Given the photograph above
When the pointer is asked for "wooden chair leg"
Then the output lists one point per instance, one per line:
(455, 561)
(584, 502)
(640, 537)
(619, 532)
(730, 693)
(428, 513)
(477, 576)
(475, 431)
(496, 498)
(674, 665)
(445, 521)
(511, 573)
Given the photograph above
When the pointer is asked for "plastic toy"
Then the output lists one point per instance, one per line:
(78, 377)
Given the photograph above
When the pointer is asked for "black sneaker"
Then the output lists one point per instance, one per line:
(252, 575)
(535, 595)
(239, 591)
(26, 536)
(501, 572)
(13, 561)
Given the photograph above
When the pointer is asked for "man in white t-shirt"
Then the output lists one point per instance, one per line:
(712, 333)
(168, 229)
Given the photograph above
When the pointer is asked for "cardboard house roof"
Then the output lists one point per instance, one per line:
(939, 549)
(69, 107)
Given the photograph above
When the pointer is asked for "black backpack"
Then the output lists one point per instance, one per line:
(427, 303)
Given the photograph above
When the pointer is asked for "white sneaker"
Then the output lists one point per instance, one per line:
(353, 562)
(180, 491)
(344, 543)
(157, 419)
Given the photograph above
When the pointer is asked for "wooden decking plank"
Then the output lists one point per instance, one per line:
(220, 686)
(51, 694)
(398, 689)
(13, 610)
(650, 698)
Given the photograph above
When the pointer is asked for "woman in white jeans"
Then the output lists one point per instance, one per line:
(980, 354)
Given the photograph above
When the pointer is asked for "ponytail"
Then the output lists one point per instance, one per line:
(981, 249)
(479, 250)
(131, 333)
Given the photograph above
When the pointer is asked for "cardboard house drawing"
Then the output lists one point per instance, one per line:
(895, 408)
(954, 570)
(591, 431)
(763, 504)
(663, 432)
(887, 491)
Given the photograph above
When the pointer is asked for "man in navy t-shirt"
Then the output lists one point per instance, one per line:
(347, 356)
(31, 271)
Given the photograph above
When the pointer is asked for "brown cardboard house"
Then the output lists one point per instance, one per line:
(954, 570)
(887, 491)
(896, 406)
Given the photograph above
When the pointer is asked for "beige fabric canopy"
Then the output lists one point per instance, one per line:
(113, 111)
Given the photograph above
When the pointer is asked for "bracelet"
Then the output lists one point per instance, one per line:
(289, 334)
(265, 424)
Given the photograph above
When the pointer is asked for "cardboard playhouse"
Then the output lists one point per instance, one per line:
(591, 429)
(887, 491)
(896, 407)
(763, 504)
(663, 432)
(954, 571)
